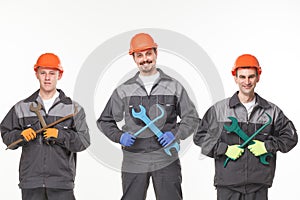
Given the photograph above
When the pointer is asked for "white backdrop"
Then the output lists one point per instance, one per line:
(224, 29)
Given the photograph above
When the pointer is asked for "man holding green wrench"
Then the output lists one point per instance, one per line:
(246, 177)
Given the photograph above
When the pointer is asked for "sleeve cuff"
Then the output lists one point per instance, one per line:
(221, 149)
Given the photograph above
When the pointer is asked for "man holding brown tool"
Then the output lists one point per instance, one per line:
(48, 161)
(248, 131)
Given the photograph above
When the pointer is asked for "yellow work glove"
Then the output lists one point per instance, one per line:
(258, 148)
(234, 151)
(51, 132)
(28, 134)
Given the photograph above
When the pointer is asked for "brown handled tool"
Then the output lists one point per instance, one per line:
(38, 114)
(47, 126)
(36, 110)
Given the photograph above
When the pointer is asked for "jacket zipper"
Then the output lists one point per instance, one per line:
(247, 122)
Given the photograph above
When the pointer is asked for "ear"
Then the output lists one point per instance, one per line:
(258, 77)
(133, 57)
(235, 79)
(59, 75)
(36, 74)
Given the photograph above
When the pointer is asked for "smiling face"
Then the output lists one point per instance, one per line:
(48, 80)
(246, 79)
(146, 61)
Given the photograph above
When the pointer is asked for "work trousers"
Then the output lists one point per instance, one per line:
(166, 183)
(47, 194)
(224, 193)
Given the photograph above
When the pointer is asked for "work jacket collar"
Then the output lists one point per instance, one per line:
(63, 98)
(234, 101)
(136, 78)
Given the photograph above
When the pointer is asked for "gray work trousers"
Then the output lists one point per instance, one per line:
(224, 193)
(47, 194)
(166, 183)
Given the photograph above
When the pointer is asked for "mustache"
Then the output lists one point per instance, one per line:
(144, 62)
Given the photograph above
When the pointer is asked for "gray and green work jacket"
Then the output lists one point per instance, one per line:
(280, 135)
(147, 153)
(50, 164)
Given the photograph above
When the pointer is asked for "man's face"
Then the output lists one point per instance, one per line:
(146, 61)
(48, 78)
(246, 79)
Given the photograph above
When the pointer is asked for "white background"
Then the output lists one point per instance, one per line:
(224, 29)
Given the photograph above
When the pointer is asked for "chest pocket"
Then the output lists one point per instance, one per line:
(264, 134)
(31, 122)
(169, 103)
(66, 124)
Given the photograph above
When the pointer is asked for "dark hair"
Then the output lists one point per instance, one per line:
(246, 67)
(154, 49)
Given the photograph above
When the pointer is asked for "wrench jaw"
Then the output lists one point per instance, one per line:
(172, 146)
(263, 158)
(234, 124)
(37, 108)
(140, 114)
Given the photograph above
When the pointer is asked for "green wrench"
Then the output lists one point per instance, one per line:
(247, 140)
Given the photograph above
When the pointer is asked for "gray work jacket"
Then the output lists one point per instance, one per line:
(211, 136)
(43, 163)
(168, 93)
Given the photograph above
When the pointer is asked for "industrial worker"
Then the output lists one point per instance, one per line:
(245, 171)
(48, 161)
(144, 155)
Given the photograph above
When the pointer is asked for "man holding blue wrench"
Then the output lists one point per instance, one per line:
(247, 177)
(153, 100)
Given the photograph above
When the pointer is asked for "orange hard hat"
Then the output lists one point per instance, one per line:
(140, 42)
(246, 60)
(49, 60)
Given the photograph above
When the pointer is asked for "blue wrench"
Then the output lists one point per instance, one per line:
(143, 116)
(152, 122)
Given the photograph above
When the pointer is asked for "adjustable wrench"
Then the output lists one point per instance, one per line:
(234, 127)
(143, 116)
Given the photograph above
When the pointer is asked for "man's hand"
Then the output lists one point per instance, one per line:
(29, 134)
(127, 139)
(258, 148)
(166, 138)
(234, 151)
(51, 133)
